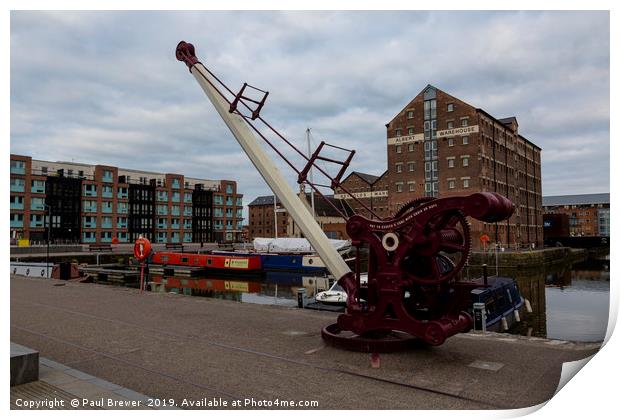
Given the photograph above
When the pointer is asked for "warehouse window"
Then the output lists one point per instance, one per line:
(466, 140)
(399, 148)
(410, 114)
(410, 147)
(450, 107)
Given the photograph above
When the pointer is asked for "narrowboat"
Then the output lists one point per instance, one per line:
(211, 262)
(282, 262)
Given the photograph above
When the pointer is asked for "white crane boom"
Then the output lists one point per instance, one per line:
(268, 170)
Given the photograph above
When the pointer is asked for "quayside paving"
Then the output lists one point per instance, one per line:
(181, 347)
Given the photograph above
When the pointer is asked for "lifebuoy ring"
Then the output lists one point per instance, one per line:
(142, 249)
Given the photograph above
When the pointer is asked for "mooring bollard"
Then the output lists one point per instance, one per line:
(301, 297)
(480, 317)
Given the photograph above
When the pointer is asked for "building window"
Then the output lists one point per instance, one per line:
(411, 186)
(450, 142)
(410, 147)
(450, 107)
(410, 114)
(399, 187)
(466, 183)
(450, 163)
(464, 122)
(410, 131)
(465, 161)
(451, 184)
(450, 124)
(427, 187)
(399, 167)
(398, 132)
(466, 140)
(399, 148)
(410, 166)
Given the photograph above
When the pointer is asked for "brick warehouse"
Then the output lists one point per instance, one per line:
(262, 218)
(98, 203)
(440, 146)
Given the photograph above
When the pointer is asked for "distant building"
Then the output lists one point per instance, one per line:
(262, 218)
(99, 204)
(370, 190)
(440, 146)
(588, 214)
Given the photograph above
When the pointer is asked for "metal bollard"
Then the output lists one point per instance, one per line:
(480, 317)
(301, 297)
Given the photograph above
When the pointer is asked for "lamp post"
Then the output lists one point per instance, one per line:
(48, 211)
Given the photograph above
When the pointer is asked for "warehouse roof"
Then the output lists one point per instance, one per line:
(321, 206)
(576, 199)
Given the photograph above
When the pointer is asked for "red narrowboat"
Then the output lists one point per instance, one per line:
(209, 261)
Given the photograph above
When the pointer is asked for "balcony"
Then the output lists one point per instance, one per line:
(176, 184)
(37, 224)
(17, 206)
(106, 209)
(17, 187)
(17, 223)
(162, 211)
(175, 226)
(106, 224)
(121, 225)
(162, 196)
(106, 238)
(187, 198)
(163, 225)
(89, 225)
(175, 238)
(122, 208)
(36, 205)
(187, 211)
(176, 198)
(187, 224)
(90, 192)
(89, 239)
(229, 201)
(175, 211)
(122, 193)
(107, 193)
(90, 209)
(19, 169)
(187, 237)
(107, 177)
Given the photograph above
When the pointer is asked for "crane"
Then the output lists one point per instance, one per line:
(415, 256)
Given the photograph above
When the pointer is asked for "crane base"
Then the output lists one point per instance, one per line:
(377, 342)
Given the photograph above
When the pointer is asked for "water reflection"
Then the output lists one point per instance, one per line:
(569, 301)
(273, 288)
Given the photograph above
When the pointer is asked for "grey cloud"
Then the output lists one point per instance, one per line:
(106, 85)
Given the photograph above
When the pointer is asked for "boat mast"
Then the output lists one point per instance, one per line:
(310, 173)
(265, 166)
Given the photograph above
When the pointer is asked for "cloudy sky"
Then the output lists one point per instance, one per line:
(105, 87)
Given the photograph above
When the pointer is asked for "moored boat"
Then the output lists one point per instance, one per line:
(210, 261)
